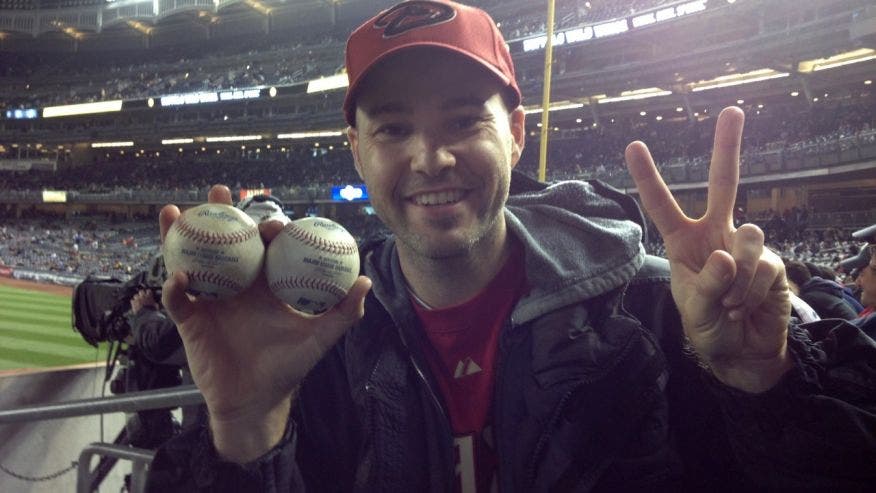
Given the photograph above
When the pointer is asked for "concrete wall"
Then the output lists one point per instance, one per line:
(41, 448)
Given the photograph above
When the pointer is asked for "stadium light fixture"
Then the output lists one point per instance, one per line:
(168, 142)
(68, 30)
(636, 94)
(82, 109)
(558, 106)
(330, 83)
(311, 135)
(868, 82)
(95, 145)
(842, 59)
(736, 79)
(140, 27)
(233, 138)
(258, 6)
(794, 94)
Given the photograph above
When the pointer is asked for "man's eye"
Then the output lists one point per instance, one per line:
(466, 122)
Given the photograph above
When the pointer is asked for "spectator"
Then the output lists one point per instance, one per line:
(824, 296)
(866, 281)
(523, 342)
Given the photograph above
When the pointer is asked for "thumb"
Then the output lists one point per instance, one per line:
(716, 277)
(710, 285)
(346, 313)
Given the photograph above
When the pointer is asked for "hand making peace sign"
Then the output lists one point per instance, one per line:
(732, 292)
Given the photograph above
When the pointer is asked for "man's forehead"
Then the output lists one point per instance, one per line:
(390, 104)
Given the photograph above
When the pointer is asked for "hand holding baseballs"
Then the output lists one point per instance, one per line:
(247, 353)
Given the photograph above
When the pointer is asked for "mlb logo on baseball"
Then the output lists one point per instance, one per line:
(312, 264)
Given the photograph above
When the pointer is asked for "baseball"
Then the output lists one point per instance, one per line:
(218, 247)
(312, 264)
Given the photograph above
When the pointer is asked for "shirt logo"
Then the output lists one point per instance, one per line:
(466, 367)
(412, 15)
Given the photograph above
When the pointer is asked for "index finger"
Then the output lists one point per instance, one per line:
(218, 194)
(724, 167)
(166, 217)
(656, 197)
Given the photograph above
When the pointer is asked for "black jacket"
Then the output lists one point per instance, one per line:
(826, 298)
(595, 390)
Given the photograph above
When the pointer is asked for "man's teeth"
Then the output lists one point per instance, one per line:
(438, 198)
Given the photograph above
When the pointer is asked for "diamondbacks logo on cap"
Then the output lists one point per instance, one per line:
(412, 15)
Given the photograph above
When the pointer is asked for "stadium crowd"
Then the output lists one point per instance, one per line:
(43, 79)
(79, 247)
(795, 130)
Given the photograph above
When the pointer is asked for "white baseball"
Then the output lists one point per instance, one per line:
(312, 264)
(218, 247)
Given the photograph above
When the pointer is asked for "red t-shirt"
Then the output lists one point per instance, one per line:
(463, 357)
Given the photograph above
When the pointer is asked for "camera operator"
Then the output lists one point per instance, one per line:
(155, 356)
(155, 338)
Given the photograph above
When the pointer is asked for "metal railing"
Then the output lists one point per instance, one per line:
(140, 460)
(186, 395)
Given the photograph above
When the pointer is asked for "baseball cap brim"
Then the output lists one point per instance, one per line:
(866, 234)
(353, 89)
(859, 261)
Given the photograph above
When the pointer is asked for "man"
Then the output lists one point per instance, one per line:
(866, 284)
(823, 295)
(519, 342)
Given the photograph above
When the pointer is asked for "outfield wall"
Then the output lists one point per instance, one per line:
(42, 448)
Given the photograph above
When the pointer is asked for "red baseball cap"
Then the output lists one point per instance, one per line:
(459, 28)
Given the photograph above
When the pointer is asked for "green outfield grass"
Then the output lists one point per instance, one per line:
(36, 332)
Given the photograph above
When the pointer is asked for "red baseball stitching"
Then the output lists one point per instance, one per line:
(187, 230)
(309, 283)
(310, 239)
(213, 278)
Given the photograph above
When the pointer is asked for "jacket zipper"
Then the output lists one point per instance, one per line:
(545, 436)
(445, 422)
(497, 416)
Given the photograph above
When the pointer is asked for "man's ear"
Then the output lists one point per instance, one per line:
(518, 134)
(353, 137)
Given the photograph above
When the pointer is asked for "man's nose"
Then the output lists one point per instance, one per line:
(430, 156)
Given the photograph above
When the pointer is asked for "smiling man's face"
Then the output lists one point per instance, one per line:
(435, 144)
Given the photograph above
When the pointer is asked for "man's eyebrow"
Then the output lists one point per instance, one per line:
(397, 107)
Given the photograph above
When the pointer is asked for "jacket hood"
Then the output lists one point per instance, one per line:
(822, 285)
(580, 240)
